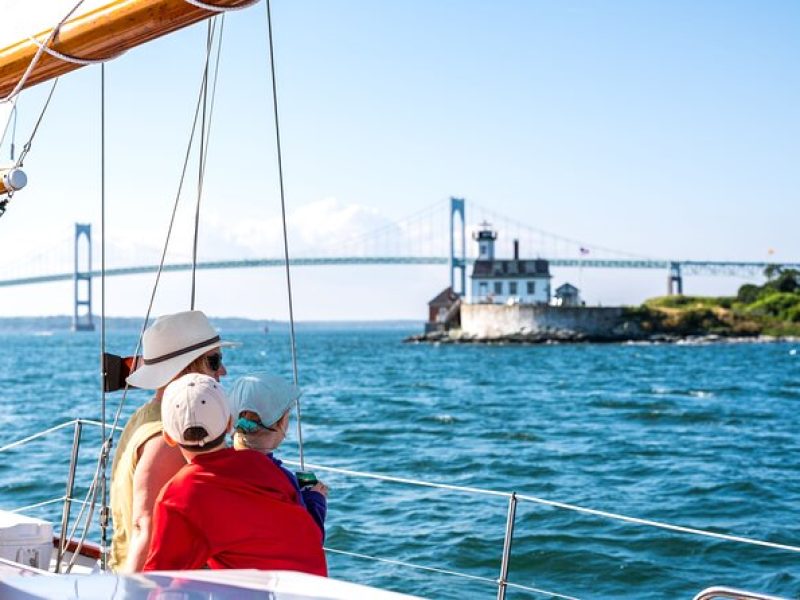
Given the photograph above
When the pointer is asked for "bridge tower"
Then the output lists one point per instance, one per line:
(674, 280)
(460, 262)
(82, 279)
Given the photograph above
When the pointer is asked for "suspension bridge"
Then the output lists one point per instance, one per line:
(415, 240)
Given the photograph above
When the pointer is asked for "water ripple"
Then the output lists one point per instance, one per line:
(698, 435)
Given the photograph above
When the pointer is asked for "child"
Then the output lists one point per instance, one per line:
(261, 405)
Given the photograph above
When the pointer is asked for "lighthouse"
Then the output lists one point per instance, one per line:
(485, 238)
(506, 281)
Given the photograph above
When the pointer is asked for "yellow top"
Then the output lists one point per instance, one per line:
(143, 425)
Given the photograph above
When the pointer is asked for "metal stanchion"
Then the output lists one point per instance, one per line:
(73, 463)
(512, 511)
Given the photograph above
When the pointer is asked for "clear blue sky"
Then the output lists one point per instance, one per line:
(668, 129)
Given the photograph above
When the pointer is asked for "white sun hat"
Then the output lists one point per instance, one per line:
(195, 400)
(171, 344)
(267, 395)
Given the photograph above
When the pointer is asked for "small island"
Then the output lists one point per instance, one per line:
(772, 310)
(768, 312)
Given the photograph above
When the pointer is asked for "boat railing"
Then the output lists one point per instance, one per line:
(732, 593)
(513, 499)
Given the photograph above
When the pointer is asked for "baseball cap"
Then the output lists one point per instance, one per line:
(195, 400)
(268, 395)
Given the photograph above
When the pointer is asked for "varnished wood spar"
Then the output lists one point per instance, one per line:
(101, 34)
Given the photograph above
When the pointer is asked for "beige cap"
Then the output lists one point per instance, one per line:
(195, 400)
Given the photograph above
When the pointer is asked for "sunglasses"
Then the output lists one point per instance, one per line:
(214, 361)
(250, 426)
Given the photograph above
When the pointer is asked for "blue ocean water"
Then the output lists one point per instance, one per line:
(700, 436)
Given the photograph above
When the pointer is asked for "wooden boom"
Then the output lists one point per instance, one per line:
(101, 34)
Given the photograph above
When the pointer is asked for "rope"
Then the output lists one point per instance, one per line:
(412, 565)
(478, 491)
(45, 46)
(562, 505)
(292, 338)
(98, 424)
(34, 436)
(449, 572)
(443, 486)
(26, 75)
(38, 504)
(676, 528)
(68, 58)
(220, 9)
(658, 524)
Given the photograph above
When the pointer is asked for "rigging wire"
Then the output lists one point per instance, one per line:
(26, 148)
(104, 450)
(214, 89)
(99, 482)
(12, 116)
(285, 235)
(108, 441)
(162, 260)
(201, 159)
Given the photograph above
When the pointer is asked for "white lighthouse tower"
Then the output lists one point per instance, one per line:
(485, 238)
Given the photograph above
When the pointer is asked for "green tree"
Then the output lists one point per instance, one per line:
(748, 293)
(772, 271)
(787, 281)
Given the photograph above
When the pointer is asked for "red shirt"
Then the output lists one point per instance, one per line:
(233, 509)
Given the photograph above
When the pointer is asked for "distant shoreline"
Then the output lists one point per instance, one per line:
(64, 323)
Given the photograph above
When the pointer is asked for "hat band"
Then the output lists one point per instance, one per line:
(162, 358)
(211, 444)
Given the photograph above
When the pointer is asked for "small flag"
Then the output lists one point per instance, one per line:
(584, 251)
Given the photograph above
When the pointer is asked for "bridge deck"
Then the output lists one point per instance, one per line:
(687, 267)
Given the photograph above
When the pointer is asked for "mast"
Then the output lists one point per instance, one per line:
(101, 34)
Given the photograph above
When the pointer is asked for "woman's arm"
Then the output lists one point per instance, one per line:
(156, 466)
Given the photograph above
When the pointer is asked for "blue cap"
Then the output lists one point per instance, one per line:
(266, 395)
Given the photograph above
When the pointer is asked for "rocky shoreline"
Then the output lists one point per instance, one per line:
(455, 336)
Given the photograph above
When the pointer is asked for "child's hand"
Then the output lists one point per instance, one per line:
(321, 488)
